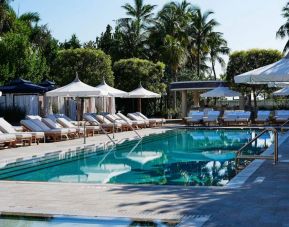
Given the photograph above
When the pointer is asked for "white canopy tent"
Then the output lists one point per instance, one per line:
(282, 92)
(76, 89)
(142, 93)
(278, 84)
(113, 92)
(220, 92)
(276, 72)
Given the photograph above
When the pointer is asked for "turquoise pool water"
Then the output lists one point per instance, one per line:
(177, 157)
(12, 221)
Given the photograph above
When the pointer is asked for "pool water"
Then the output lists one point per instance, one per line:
(177, 157)
(12, 221)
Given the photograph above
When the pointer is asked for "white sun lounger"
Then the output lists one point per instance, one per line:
(137, 123)
(21, 137)
(7, 140)
(90, 129)
(211, 117)
(54, 125)
(108, 123)
(39, 126)
(196, 117)
(136, 117)
(159, 121)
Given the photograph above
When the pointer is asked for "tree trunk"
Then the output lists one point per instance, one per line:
(198, 61)
(255, 98)
(214, 70)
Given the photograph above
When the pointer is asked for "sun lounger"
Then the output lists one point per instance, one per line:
(243, 117)
(115, 119)
(90, 129)
(21, 137)
(159, 121)
(55, 116)
(103, 120)
(33, 117)
(263, 117)
(211, 117)
(229, 117)
(135, 123)
(39, 126)
(136, 117)
(281, 116)
(196, 117)
(92, 120)
(72, 132)
(7, 140)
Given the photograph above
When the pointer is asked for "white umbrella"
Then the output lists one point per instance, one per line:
(220, 92)
(282, 92)
(278, 84)
(77, 89)
(276, 72)
(142, 93)
(113, 92)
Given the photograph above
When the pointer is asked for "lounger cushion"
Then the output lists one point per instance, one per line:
(7, 137)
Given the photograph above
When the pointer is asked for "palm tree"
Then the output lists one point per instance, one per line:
(283, 31)
(199, 31)
(30, 18)
(7, 16)
(217, 49)
(140, 13)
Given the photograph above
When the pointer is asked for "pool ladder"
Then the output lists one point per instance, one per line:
(273, 157)
(106, 133)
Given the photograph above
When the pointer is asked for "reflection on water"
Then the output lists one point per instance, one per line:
(182, 157)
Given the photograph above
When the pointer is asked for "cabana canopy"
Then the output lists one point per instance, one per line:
(276, 72)
(50, 85)
(76, 89)
(113, 92)
(20, 86)
(282, 92)
(142, 93)
(220, 92)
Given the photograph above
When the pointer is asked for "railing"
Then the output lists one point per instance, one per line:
(102, 129)
(129, 125)
(282, 127)
(265, 157)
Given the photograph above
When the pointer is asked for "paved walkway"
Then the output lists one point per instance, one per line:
(262, 200)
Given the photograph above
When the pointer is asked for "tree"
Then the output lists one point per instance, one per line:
(19, 60)
(199, 31)
(92, 65)
(73, 43)
(7, 16)
(129, 73)
(217, 49)
(283, 31)
(244, 61)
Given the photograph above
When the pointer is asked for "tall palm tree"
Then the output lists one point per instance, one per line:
(30, 18)
(199, 31)
(139, 12)
(283, 31)
(7, 16)
(218, 47)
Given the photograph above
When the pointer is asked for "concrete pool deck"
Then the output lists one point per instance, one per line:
(261, 201)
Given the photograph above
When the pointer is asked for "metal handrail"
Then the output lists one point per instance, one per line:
(101, 128)
(128, 124)
(275, 155)
(283, 125)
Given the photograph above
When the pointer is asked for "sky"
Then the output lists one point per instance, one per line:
(245, 23)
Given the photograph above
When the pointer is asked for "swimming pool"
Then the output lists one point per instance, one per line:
(202, 157)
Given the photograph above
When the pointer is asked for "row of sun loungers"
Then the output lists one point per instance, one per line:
(231, 117)
(59, 127)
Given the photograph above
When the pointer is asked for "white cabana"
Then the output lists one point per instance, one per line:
(220, 92)
(282, 92)
(278, 84)
(142, 93)
(113, 92)
(76, 89)
(276, 72)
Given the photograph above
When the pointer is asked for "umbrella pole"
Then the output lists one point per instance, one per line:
(139, 104)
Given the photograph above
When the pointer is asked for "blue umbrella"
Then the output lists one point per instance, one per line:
(23, 87)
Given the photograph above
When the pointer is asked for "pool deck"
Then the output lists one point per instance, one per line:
(262, 200)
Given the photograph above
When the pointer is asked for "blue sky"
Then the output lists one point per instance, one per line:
(245, 23)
